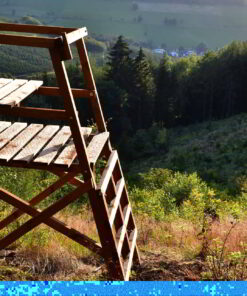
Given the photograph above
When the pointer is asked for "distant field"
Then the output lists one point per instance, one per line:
(214, 25)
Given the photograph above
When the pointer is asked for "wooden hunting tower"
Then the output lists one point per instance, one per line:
(66, 151)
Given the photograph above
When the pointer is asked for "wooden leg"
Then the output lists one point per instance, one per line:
(44, 215)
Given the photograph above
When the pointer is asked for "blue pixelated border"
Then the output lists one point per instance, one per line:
(109, 288)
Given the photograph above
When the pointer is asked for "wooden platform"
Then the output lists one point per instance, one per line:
(39, 146)
(14, 91)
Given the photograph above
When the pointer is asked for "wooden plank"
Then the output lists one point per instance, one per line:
(52, 222)
(44, 215)
(39, 29)
(128, 261)
(21, 93)
(4, 81)
(14, 146)
(115, 202)
(49, 152)
(64, 178)
(90, 84)
(35, 41)
(55, 91)
(122, 231)
(76, 35)
(11, 132)
(4, 125)
(68, 154)
(34, 147)
(107, 173)
(96, 146)
(33, 112)
(70, 107)
(10, 87)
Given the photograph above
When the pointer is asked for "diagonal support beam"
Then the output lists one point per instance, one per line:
(44, 215)
(52, 222)
(38, 198)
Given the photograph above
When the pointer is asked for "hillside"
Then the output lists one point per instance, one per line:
(215, 150)
(187, 25)
(176, 241)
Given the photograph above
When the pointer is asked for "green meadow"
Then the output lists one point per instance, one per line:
(215, 25)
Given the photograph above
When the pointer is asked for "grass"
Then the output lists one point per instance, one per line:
(169, 251)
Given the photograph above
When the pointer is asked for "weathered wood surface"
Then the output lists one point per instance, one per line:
(4, 125)
(18, 95)
(68, 154)
(50, 151)
(11, 132)
(46, 145)
(34, 147)
(14, 146)
(10, 87)
(4, 81)
(96, 146)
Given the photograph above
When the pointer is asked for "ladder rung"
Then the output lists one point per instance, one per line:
(128, 261)
(122, 230)
(107, 173)
(115, 202)
(96, 146)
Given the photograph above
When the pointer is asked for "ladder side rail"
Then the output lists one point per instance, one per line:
(107, 239)
(90, 84)
(132, 224)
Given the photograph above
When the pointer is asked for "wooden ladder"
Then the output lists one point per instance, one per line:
(114, 218)
(109, 197)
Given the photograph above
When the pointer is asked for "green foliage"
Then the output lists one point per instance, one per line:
(145, 142)
(162, 191)
(30, 20)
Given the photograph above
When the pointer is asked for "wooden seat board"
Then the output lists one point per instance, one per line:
(4, 81)
(68, 154)
(10, 87)
(36, 144)
(11, 132)
(96, 145)
(4, 125)
(49, 152)
(14, 146)
(21, 93)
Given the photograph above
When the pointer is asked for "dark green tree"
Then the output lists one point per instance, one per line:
(119, 64)
(141, 101)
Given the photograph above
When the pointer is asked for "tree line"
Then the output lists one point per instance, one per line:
(140, 98)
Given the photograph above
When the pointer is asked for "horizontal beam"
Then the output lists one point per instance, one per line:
(32, 41)
(35, 29)
(40, 166)
(34, 112)
(55, 91)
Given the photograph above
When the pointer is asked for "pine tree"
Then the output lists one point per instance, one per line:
(164, 94)
(119, 64)
(142, 95)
